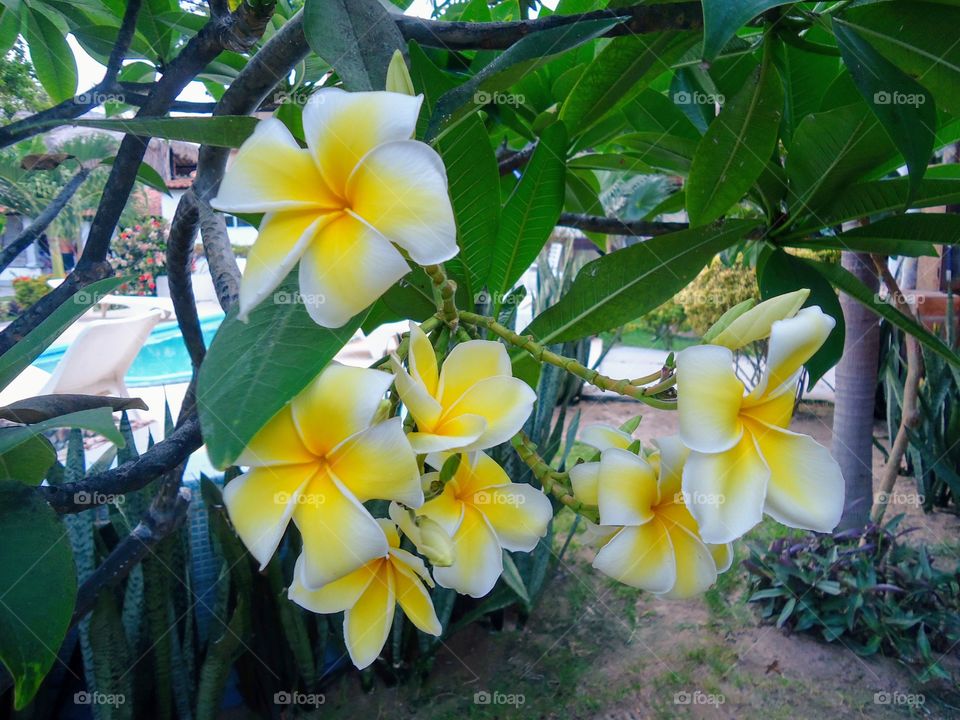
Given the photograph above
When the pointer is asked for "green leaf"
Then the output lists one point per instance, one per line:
(848, 283)
(904, 107)
(530, 213)
(779, 273)
(519, 60)
(622, 286)
(221, 131)
(918, 37)
(17, 358)
(51, 56)
(44, 407)
(513, 579)
(911, 234)
(734, 151)
(830, 150)
(357, 37)
(39, 587)
(258, 366)
(27, 462)
(623, 68)
(99, 420)
(652, 111)
(147, 176)
(668, 153)
(806, 76)
(722, 19)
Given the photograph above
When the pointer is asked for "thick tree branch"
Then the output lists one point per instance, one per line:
(636, 19)
(46, 216)
(180, 241)
(76, 106)
(615, 226)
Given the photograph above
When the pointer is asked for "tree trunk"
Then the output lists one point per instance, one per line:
(856, 391)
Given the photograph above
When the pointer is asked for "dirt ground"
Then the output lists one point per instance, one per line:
(596, 649)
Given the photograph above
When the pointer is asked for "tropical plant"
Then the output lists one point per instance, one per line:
(140, 252)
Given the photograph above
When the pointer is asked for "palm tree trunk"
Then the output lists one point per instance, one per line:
(856, 391)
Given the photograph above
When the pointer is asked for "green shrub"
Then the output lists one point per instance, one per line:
(716, 289)
(27, 290)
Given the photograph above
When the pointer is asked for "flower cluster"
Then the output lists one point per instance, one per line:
(140, 251)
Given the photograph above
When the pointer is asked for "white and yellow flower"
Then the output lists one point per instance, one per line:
(316, 462)
(757, 322)
(369, 595)
(651, 540)
(741, 449)
(341, 206)
(485, 514)
(602, 437)
(472, 403)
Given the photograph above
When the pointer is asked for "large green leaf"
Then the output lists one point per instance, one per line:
(622, 69)
(622, 286)
(651, 111)
(357, 37)
(39, 587)
(530, 213)
(670, 153)
(51, 57)
(27, 462)
(738, 143)
(722, 19)
(911, 234)
(522, 58)
(918, 37)
(846, 281)
(779, 273)
(98, 420)
(904, 107)
(252, 369)
(830, 150)
(806, 76)
(16, 359)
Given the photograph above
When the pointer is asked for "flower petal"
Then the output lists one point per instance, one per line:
(696, 569)
(792, 343)
(454, 434)
(415, 600)
(628, 488)
(282, 240)
(709, 398)
(334, 597)
(446, 509)
(379, 464)
(261, 502)
(271, 172)
(504, 402)
(276, 443)
(484, 472)
(345, 269)
(400, 188)
(640, 556)
(415, 397)
(603, 436)
(668, 461)
(806, 488)
(725, 491)
(341, 127)
(585, 479)
(722, 556)
(773, 410)
(469, 363)
(756, 323)
(479, 557)
(423, 360)
(339, 403)
(366, 625)
(517, 512)
(339, 535)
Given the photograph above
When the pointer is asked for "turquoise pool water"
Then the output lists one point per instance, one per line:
(161, 361)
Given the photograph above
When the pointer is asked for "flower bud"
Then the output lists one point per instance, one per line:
(435, 543)
(398, 77)
(754, 323)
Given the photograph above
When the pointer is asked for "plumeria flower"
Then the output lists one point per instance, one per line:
(485, 514)
(757, 322)
(316, 461)
(652, 541)
(602, 437)
(741, 447)
(472, 403)
(369, 595)
(342, 204)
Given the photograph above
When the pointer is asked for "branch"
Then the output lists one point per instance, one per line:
(183, 231)
(36, 228)
(615, 226)
(510, 161)
(76, 106)
(161, 458)
(636, 19)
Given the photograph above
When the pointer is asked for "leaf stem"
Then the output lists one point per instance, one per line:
(553, 481)
(446, 290)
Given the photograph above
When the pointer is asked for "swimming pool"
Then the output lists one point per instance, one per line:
(162, 360)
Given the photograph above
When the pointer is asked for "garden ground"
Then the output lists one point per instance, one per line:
(597, 649)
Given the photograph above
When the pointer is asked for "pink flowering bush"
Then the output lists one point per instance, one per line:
(140, 251)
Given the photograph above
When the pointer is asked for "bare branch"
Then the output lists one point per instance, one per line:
(183, 232)
(513, 160)
(615, 226)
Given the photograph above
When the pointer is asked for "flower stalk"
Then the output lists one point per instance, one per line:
(553, 481)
